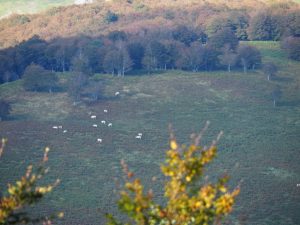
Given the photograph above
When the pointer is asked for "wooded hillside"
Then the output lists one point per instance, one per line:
(134, 16)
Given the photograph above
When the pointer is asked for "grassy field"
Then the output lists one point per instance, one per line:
(260, 146)
(8, 7)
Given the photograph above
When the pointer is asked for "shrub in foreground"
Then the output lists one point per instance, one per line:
(189, 199)
(23, 193)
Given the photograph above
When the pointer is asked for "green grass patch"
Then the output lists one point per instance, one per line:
(8, 7)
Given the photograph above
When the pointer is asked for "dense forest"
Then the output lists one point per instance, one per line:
(120, 36)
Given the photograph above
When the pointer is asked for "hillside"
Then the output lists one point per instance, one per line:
(110, 70)
(260, 145)
(133, 17)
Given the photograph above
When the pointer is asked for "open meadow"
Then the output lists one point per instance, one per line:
(259, 149)
(8, 7)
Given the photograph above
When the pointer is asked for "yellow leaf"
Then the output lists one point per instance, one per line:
(173, 145)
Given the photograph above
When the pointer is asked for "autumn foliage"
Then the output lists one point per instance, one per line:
(190, 199)
(25, 192)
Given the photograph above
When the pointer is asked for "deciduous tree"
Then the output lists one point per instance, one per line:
(228, 57)
(248, 57)
(36, 78)
(270, 70)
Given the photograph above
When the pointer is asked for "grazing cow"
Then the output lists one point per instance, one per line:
(109, 125)
(93, 117)
(95, 125)
(105, 110)
(103, 122)
(99, 140)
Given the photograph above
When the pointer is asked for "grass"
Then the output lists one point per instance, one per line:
(8, 7)
(260, 145)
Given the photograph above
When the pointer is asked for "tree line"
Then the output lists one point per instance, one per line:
(272, 21)
(119, 53)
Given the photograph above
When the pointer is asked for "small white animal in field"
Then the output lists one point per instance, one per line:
(93, 117)
(95, 125)
(103, 122)
(60, 127)
(140, 134)
(55, 127)
(65, 131)
(99, 140)
(109, 125)
(117, 93)
(138, 137)
(105, 110)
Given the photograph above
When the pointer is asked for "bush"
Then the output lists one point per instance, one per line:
(36, 78)
(5, 109)
(292, 47)
(25, 192)
(75, 85)
(111, 17)
(270, 70)
(189, 200)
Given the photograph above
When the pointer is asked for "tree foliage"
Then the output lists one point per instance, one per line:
(25, 192)
(265, 26)
(184, 35)
(237, 22)
(111, 17)
(36, 78)
(270, 70)
(188, 198)
(292, 47)
(224, 37)
(249, 57)
(76, 83)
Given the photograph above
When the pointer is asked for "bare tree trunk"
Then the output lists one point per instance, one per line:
(229, 68)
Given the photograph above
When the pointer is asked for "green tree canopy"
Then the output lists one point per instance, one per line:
(36, 78)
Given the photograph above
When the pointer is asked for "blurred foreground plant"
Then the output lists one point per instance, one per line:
(25, 192)
(190, 199)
